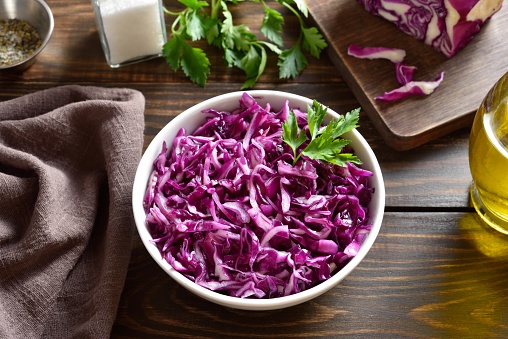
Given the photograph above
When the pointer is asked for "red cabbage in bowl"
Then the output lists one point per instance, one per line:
(226, 208)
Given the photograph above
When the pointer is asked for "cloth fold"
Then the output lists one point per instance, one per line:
(68, 156)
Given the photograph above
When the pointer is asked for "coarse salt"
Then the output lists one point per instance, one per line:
(133, 29)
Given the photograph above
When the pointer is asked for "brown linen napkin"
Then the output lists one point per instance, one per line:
(68, 156)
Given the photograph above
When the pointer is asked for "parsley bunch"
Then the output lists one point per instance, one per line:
(211, 20)
(325, 142)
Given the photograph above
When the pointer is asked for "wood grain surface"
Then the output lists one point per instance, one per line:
(413, 121)
(450, 282)
(434, 271)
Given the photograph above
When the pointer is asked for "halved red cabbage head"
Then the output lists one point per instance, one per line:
(447, 25)
(227, 210)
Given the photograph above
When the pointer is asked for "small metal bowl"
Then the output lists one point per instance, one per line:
(38, 14)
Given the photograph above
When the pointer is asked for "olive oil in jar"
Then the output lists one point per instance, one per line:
(488, 158)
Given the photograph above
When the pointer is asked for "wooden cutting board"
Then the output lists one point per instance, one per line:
(413, 121)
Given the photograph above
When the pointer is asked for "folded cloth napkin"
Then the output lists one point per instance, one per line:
(68, 156)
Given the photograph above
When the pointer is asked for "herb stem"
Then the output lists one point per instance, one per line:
(300, 20)
(295, 12)
(216, 5)
(295, 159)
(167, 11)
(175, 24)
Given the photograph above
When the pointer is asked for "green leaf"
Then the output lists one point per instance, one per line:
(313, 41)
(275, 49)
(212, 31)
(172, 51)
(195, 28)
(234, 37)
(231, 58)
(325, 143)
(291, 62)
(251, 64)
(195, 64)
(271, 26)
(291, 135)
(228, 31)
(324, 149)
(193, 61)
(302, 7)
(194, 4)
(347, 123)
(342, 158)
(315, 115)
(339, 159)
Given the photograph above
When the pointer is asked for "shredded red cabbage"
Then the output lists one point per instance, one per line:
(403, 73)
(412, 88)
(395, 55)
(227, 210)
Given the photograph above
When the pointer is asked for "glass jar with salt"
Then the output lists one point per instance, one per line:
(130, 30)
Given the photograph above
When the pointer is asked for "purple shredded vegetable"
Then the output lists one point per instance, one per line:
(226, 208)
(412, 88)
(395, 55)
(404, 73)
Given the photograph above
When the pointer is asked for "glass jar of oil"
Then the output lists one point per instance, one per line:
(488, 157)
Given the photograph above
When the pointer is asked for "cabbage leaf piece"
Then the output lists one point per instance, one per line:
(395, 55)
(412, 88)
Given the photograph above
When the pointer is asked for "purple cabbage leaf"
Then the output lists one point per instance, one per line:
(395, 55)
(412, 88)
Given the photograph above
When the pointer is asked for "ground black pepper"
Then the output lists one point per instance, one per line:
(18, 41)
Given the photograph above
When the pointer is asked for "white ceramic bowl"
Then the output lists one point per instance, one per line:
(190, 120)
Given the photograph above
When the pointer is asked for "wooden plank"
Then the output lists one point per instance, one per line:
(414, 121)
(427, 275)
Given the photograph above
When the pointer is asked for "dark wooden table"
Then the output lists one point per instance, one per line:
(434, 270)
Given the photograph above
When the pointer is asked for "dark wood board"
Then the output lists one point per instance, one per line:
(413, 121)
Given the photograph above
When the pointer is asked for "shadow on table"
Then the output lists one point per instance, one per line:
(485, 239)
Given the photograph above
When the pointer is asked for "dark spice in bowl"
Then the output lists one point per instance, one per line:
(18, 41)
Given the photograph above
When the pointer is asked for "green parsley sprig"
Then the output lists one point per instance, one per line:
(212, 20)
(325, 143)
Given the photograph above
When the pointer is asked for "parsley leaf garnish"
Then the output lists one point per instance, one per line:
(291, 135)
(192, 60)
(325, 143)
(291, 62)
(213, 22)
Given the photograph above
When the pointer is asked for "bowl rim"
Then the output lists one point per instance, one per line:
(139, 188)
(44, 42)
